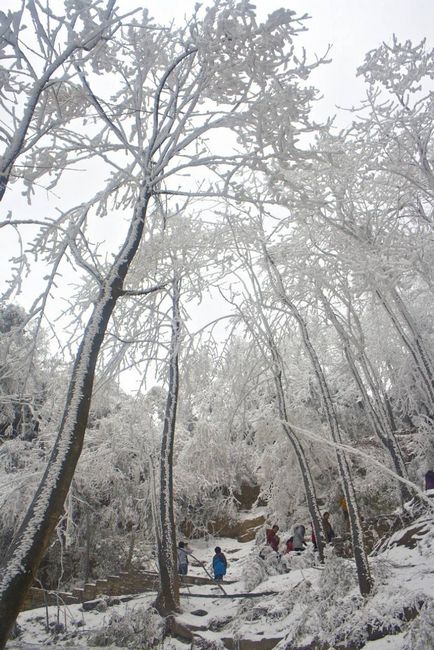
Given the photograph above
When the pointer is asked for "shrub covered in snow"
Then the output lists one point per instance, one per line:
(259, 565)
(421, 633)
(138, 628)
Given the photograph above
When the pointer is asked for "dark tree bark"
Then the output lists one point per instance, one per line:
(22, 561)
(168, 596)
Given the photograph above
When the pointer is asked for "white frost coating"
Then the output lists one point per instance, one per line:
(358, 452)
(376, 410)
(40, 81)
(166, 549)
(66, 436)
(63, 444)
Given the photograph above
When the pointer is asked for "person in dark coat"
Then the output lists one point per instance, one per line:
(429, 480)
(329, 532)
(273, 539)
(219, 564)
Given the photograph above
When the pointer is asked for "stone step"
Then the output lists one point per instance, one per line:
(250, 644)
(115, 585)
(78, 592)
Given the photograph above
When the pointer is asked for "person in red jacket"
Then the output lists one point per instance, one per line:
(273, 539)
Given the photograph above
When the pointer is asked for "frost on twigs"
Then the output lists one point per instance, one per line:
(137, 628)
(400, 68)
(235, 51)
(421, 632)
(256, 569)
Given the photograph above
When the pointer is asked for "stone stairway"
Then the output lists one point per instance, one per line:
(116, 585)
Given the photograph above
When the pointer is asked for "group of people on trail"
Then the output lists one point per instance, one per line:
(297, 541)
(219, 561)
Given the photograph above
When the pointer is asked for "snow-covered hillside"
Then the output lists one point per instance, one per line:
(310, 606)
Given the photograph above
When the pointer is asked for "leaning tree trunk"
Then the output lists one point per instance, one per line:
(309, 486)
(22, 561)
(361, 560)
(414, 345)
(377, 417)
(277, 370)
(363, 572)
(168, 596)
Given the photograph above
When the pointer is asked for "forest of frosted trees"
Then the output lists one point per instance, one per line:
(205, 288)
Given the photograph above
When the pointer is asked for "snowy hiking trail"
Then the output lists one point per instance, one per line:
(405, 578)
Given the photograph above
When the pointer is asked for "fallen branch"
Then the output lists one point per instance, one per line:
(202, 564)
(250, 595)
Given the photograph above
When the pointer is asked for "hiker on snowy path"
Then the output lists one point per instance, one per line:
(183, 553)
(298, 538)
(219, 564)
(273, 539)
(330, 533)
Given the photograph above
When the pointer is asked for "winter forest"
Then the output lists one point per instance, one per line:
(215, 318)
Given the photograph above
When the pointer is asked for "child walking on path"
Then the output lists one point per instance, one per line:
(219, 564)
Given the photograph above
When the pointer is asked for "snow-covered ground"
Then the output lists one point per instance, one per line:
(310, 604)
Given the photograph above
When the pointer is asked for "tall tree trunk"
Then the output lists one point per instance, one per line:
(265, 332)
(362, 566)
(363, 572)
(168, 596)
(376, 414)
(309, 486)
(415, 346)
(22, 561)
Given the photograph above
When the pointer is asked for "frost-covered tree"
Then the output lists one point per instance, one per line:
(168, 596)
(253, 313)
(27, 372)
(38, 52)
(358, 230)
(363, 572)
(150, 130)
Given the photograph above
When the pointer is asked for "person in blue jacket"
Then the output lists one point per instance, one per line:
(219, 564)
